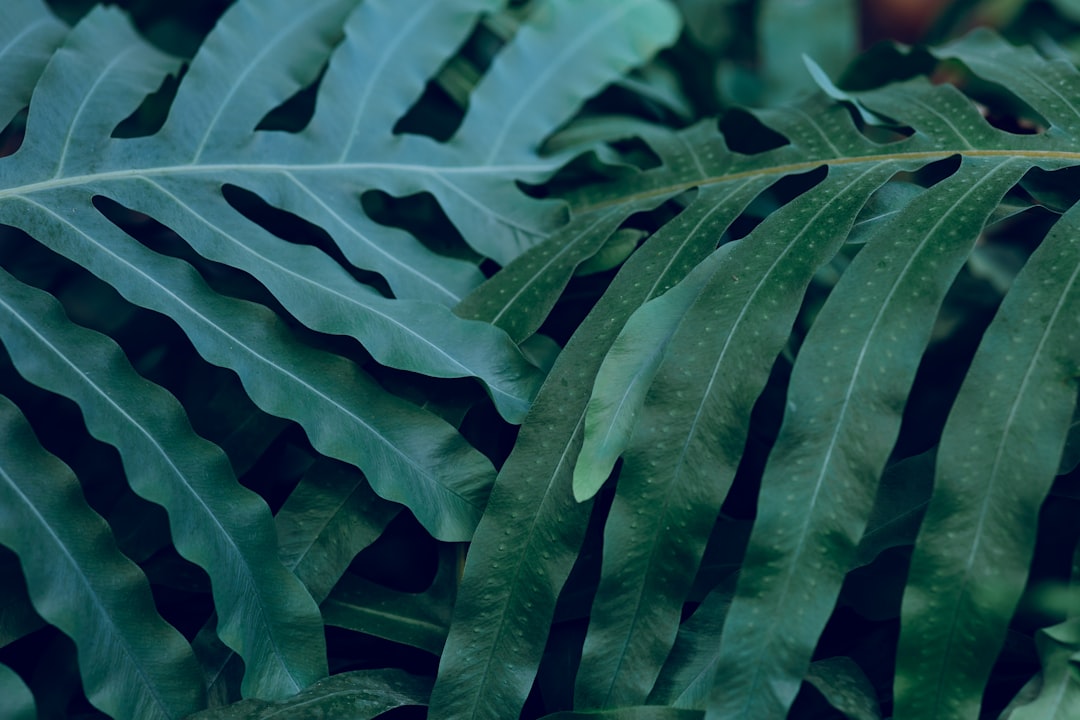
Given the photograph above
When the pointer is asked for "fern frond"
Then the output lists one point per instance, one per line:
(133, 663)
(683, 437)
(266, 615)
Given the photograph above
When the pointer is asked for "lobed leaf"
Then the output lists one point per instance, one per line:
(28, 37)
(844, 406)
(133, 664)
(532, 529)
(265, 613)
(692, 429)
(999, 455)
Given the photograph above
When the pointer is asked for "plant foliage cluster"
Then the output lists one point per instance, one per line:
(454, 358)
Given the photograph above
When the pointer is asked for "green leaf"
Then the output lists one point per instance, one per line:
(843, 413)
(692, 429)
(330, 517)
(686, 676)
(999, 454)
(532, 529)
(613, 253)
(17, 617)
(1058, 696)
(902, 496)
(518, 298)
(16, 701)
(846, 687)
(419, 620)
(266, 615)
(626, 374)
(361, 694)
(28, 37)
(133, 664)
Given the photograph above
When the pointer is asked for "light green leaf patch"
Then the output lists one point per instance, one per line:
(627, 373)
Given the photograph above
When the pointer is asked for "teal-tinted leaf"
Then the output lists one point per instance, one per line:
(265, 613)
(357, 695)
(844, 406)
(686, 676)
(823, 81)
(28, 36)
(133, 664)
(521, 295)
(846, 687)
(416, 619)
(902, 496)
(415, 335)
(626, 374)
(532, 529)
(563, 53)
(998, 456)
(1058, 695)
(330, 517)
(692, 429)
(252, 61)
(641, 712)
(434, 472)
(16, 701)
(825, 30)
(614, 252)
(17, 616)
(393, 48)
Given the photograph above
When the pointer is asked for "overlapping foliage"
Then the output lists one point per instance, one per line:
(219, 296)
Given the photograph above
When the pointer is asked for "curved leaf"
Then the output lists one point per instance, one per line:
(133, 664)
(692, 429)
(265, 613)
(1059, 693)
(532, 529)
(16, 701)
(361, 694)
(330, 517)
(999, 455)
(416, 619)
(28, 36)
(846, 687)
(626, 374)
(843, 413)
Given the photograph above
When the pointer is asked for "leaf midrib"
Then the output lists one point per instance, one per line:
(253, 352)
(152, 440)
(128, 650)
(290, 168)
(1067, 157)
